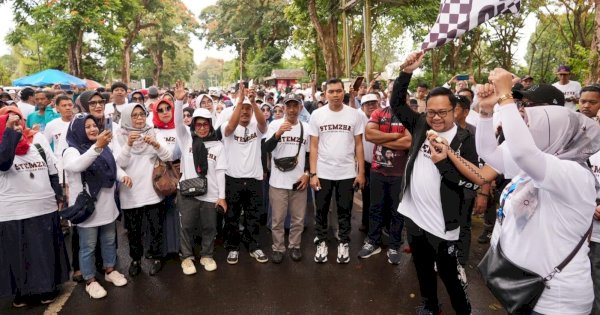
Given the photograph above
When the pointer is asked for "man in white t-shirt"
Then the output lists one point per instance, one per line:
(335, 150)
(119, 94)
(56, 130)
(27, 103)
(288, 138)
(570, 89)
(243, 178)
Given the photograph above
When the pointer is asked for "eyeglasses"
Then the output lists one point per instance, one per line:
(96, 103)
(442, 113)
(137, 98)
(202, 125)
(138, 115)
(164, 110)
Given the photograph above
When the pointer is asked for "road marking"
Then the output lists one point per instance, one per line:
(60, 301)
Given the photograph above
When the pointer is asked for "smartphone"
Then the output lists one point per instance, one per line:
(462, 77)
(295, 186)
(108, 124)
(357, 83)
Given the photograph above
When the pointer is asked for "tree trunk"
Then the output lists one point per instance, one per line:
(126, 61)
(157, 57)
(74, 55)
(327, 40)
(594, 67)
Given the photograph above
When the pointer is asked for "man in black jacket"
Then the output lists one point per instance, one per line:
(434, 191)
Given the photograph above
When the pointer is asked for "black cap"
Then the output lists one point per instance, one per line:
(542, 94)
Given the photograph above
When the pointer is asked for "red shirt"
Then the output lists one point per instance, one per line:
(386, 161)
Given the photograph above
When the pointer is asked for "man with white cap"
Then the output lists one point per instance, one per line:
(288, 139)
(368, 104)
(242, 139)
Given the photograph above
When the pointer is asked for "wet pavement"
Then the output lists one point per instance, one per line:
(367, 286)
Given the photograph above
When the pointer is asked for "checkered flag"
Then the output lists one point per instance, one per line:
(460, 16)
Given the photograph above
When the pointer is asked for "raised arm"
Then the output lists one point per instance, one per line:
(180, 127)
(400, 90)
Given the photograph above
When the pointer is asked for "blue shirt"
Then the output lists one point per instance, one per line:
(36, 118)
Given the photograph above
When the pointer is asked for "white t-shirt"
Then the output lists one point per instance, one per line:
(551, 233)
(106, 210)
(169, 137)
(367, 146)
(216, 162)
(139, 167)
(25, 109)
(286, 147)
(336, 131)
(571, 89)
(109, 108)
(23, 197)
(224, 116)
(422, 201)
(56, 134)
(595, 161)
(242, 149)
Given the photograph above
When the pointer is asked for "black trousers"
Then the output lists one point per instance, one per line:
(429, 250)
(344, 194)
(386, 198)
(242, 194)
(134, 219)
(464, 240)
(366, 196)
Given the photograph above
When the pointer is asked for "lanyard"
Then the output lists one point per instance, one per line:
(504, 196)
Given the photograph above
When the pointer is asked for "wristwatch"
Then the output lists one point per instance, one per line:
(98, 149)
(505, 97)
(312, 174)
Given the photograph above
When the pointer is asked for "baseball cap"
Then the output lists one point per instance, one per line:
(542, 94)
(214, 93)
(526, 77)
(368, 98)
(563, 69)
(292, 98)
(202, 113)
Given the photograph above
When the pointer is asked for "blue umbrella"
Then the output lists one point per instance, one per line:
(49, 77)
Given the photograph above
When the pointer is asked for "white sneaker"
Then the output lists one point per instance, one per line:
(259, 256)
(116, 278)
(95, 290)
(321, 254)
(208, 263)
(232, 257)
(188, 266)
(343, 256)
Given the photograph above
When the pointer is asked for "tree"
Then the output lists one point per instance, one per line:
(259, 25)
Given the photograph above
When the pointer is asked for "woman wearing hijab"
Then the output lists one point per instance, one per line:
(266, 110)
(164, 126)
(206, 102)
(548, 206)
(139, 154)
(136, 97)
(33, 257)
(187, 115)
(202, 153)
(89, 157)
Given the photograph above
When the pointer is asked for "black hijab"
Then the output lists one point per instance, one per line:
(199, 149)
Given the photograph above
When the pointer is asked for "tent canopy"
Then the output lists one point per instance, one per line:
(49, 77)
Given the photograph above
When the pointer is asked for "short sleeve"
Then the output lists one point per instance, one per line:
(360, 123)
(376, 116)
(314, 126)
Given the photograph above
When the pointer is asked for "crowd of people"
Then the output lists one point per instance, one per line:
(424, 162)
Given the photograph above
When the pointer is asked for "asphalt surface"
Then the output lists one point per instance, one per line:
(364, 286)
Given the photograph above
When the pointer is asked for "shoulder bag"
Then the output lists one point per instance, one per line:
(83, 207)
(164, 178)
(194, 187)
(517, 288)
(287, 164)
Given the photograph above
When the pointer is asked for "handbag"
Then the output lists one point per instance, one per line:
(164, 178)
(517, 288)
(83, 207)
(289, 163)
(193, 187)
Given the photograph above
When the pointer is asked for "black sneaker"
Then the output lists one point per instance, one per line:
(393, 256)
(135, 268)
(20, 301)
(295, 254)
(48, 297)
(423, 310)
(277, 257)
(155, 267)
(484, 238)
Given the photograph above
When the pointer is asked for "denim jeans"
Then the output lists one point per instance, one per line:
(107, 234)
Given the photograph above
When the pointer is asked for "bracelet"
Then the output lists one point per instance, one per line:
(311, 175)
(505, 97)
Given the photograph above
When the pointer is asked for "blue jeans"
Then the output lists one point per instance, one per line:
(87, 245)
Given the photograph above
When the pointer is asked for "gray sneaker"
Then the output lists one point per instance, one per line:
(369, 250)
(259, 256)
(393, 256)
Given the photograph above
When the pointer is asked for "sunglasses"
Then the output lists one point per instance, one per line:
(164, 110)
(137, 98)
(202, 125)
(96, 103)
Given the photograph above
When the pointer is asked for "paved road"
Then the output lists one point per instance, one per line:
(370, 286)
